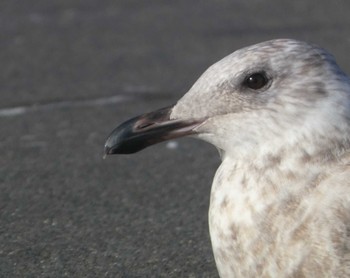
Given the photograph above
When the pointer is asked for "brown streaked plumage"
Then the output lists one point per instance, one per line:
(279, 113)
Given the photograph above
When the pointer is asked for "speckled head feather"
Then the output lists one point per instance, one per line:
(305, 88)
(290, 65)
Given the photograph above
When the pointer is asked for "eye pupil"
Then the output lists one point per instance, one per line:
(256, 81)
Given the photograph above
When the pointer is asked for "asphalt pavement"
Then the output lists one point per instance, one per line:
(71, 71)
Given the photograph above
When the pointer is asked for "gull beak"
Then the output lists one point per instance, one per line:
(146, 130)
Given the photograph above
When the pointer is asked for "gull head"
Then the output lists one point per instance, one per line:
(277, 92)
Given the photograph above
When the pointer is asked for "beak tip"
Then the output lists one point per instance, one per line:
(107, 150)
(116, 148)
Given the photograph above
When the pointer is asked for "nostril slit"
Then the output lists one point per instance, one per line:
(144, 125)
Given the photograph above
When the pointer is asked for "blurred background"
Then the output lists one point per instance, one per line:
(70, 72)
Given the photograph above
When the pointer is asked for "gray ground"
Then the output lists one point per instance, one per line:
(70, 71)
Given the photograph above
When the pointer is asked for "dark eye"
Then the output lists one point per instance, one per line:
(256, 81)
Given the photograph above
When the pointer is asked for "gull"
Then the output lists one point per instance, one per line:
(279, 114)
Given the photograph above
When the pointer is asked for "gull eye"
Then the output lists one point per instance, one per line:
(256, 81)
